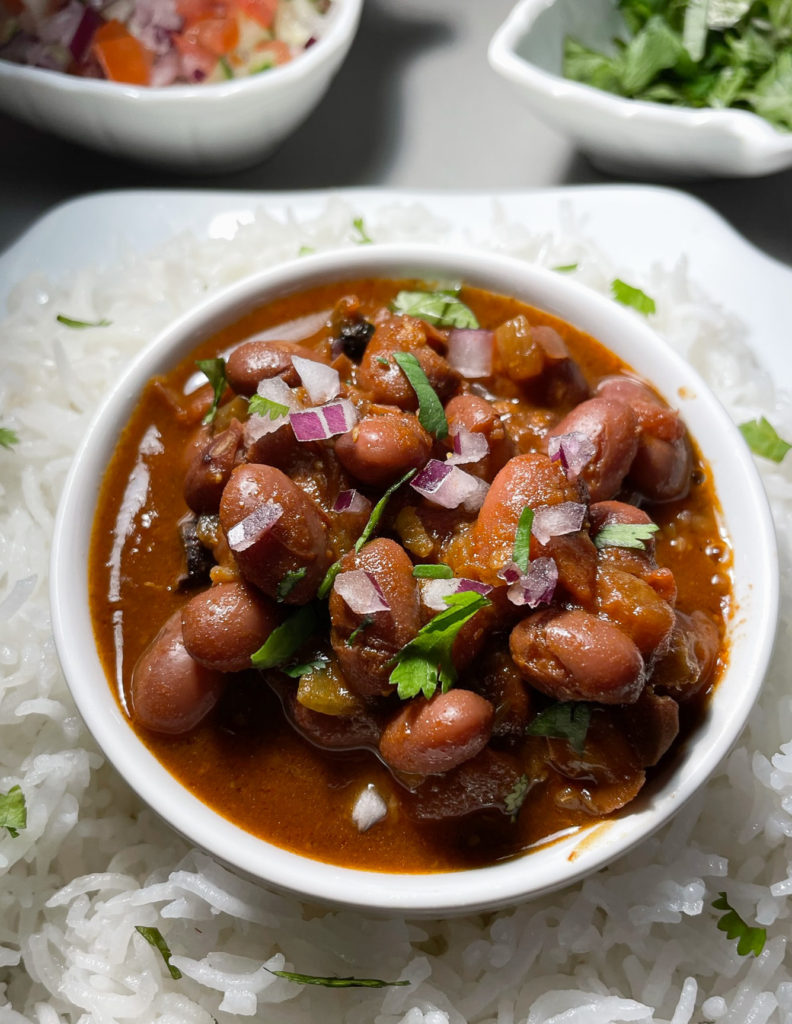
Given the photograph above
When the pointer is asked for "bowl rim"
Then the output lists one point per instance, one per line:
(504, 59)
(342, 22)
(502, 884)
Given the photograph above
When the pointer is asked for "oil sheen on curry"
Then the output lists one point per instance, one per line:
(409, 579)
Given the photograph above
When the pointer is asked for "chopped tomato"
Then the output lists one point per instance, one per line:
(123, 58)
(262, 11)
(197, 10)
(273, 52)
(216, 35)
(198, 62)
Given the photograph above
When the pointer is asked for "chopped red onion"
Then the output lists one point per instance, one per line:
(449, 486)
(360, 592)
(469, 446)
(510, 573)
(574, 451)
(556, 520)
(369, 808)
(480, 588)
(59, 28)
(351, 501)
(340, 416)
(434, 592)
(321, 382)
(324, 422)
(253, 527)
(537, 585)
(470, 351)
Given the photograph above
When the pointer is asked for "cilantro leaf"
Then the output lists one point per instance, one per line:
(566, 720)
(334, 982)
(154, 938)
(751, 940)
(304, 668)
(521, 555)
(13, 811)
(305, 250)
(433, 572)
(68, 321)
(261, 406)
(441, 308)
(625, 535)
(426, 660)
(215, 370)
(763, 439)
(652, 50)
(8, 437)
(289, 582)
(360, 228)
(633, 297)
(285, 640)
(565, 268)
(430, 409)
(364, 623)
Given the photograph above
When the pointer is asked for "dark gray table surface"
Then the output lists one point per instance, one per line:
(416, 105)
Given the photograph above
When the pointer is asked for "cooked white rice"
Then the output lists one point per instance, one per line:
(636, 942)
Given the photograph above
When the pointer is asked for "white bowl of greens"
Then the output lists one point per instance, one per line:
(623, 85)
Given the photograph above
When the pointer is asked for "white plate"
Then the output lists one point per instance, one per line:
(636, 226)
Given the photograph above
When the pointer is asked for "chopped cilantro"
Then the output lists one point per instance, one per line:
(763, 439)
(305, 668)
(441, 308)
(516, 796)
(289, 582)
(522, 540)
(566, 268)
(382, 361)
(68, 321)
(285, 640)
(751, 940)
(634, 297)
(333, 982)
(426, 660)
(625, 535)
(215, 370)
(225, 67)
(363, 624)
(360, 228)
(154, 937)
(305, 250)
(13, 811)
(261, 406)
(566, 720)
(433, 572)
(8, 437)
(430, 409)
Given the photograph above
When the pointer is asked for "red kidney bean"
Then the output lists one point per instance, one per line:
(479, 416)
(636, 608)
(530, 479)
(639, 562)
(381, 375)
(336, 732)
(573, 655)
(366, 663)
(170, 692)
(502, 685)
(254, 361)
(296, 542)
(380, 448)
(485, 782)
(576, 560)
(607, 756)
(224, 625)
(651, 725)
(653, 415)
(211, 468)
(613, 430)
(278, 448)
(429, 737)
(689, 665)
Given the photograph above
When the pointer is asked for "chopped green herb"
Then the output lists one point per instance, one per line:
(68, 321)
(13, 811)
(327, 583)
(516, 797)
(634, 297)
(306, 667)
(433, 572)
(566, 268)
(430, 409)
(333, 982)
(261, 406)
(426, 660)
(363, 236)
(566, 720)
(285, 640)
(154, 937)
(8, 437)
(763, 439)
(305, 250)
(522, 540)
(363, 624)
(751, 940)
(215, 370)
(625, 535)
(289, 582)
(441, 308)
(225, 67)
(382, 361)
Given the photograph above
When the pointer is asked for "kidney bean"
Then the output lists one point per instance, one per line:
(254, 361)
(661, 470)
(380, 448)
(482, 783)
(688, 666)
(479, 416)
(573, 655)
(653, 415)
(277, 448)
(429, 737)
(337, 732)
(651, 725)
(607, 756)
(634, 606)
(224, 625)
(366, 663)
(170, 692)
(581, 796)
(500, 682)
(530, 479)
(211, 468)
(296, 542)
(613, 429)
(576, 559)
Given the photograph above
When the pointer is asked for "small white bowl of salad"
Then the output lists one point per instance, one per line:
(200, 86)
(699, 88)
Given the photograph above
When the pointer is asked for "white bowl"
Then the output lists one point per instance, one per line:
(618, 134)
(751, 629)
(194, 128)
